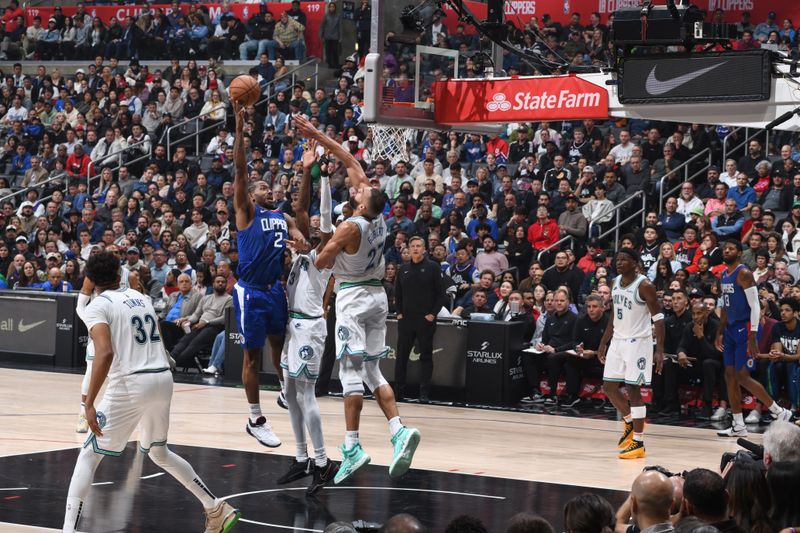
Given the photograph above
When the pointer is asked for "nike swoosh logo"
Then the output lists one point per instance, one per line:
(25, 327)
(657, 87)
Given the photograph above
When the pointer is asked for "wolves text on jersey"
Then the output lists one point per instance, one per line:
(620, 299)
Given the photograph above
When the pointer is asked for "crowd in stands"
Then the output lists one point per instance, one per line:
(93, 160)
(749, 494)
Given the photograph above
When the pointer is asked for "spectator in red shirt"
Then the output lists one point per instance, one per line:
(747, 42)
(544, 232)
(78, 163)
(498, 147)
(9, 18)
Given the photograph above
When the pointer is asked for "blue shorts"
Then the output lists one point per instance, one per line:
(260, 313)
(735, 345)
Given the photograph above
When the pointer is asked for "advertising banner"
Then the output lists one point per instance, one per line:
(526, 99)
(713, 77)
(314, 12)
(27, 325)
(521, 11)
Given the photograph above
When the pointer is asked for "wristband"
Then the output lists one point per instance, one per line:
(658, 316)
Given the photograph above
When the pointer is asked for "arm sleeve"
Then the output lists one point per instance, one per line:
(755, 307)
(325, 222)
(80, 308)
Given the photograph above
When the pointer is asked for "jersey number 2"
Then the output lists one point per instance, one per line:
(139, 333)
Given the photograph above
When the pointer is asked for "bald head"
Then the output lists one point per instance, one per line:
(651, 498)
(402, 523)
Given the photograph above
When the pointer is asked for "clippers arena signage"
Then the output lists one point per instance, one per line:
(521, 11)
(518, 100)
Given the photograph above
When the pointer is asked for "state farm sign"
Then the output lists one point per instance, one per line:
(518, 99)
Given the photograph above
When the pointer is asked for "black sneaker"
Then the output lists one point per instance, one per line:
(298, 470)
(535, 397)
(550, 400)
(571, 401)
(323, 475)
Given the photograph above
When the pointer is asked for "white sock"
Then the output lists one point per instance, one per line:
(255, 412)
(320, 457)
(72, 514)
(180, 469)
(738, 420)
(639, 437)
(775, 408)
(79, 486)
(395, 425)
(350, 439)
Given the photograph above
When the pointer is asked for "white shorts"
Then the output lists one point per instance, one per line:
(361, 322)
(629, 360)
(303, 346)
(139, 399)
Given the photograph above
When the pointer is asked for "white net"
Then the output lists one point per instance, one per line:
(391, 143)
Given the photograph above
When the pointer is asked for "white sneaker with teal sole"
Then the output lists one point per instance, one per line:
(405, 443)
(352, 460)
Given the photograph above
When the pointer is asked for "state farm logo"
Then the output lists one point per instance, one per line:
(545, 100)
(498, 103)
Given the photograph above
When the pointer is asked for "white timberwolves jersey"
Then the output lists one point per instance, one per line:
(134, 331)
(367, 263)
(631, 315)
(306, 285)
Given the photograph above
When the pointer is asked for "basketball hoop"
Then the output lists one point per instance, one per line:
(391, 142)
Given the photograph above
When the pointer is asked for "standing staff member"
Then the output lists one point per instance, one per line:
(419, 294)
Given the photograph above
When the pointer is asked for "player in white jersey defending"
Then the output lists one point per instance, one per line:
(629, 358)
(306, 332)
(128, 350)
(127, 279)
(356, 255)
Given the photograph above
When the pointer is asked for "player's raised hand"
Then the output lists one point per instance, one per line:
(310, 154)
(304, 126)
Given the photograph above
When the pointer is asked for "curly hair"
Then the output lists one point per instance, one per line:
(103, 269)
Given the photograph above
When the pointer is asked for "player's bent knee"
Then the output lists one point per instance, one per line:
(372, 376)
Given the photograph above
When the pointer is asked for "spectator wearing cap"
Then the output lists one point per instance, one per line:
(521, 147)
(132, 258)
(571, 221)
(763, 29)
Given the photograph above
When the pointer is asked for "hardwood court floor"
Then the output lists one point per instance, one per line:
(38, 412)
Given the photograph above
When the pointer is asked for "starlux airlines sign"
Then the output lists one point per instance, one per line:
(518, 100)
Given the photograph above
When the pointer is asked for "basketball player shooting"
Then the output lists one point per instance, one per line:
(629, 357)
(258, 297)
(305, 334)
(128, 350)
(356, 255)
(736, 338)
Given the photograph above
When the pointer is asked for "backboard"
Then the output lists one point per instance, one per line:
(402, 65)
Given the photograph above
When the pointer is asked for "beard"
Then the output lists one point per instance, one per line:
(352, 203)
(729, 260)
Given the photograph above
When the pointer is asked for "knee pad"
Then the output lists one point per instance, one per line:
(350, 370)
(372, 376)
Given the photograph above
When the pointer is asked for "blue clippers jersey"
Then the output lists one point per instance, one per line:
(733, 297)
(261, 248)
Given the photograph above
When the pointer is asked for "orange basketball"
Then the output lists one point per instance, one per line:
(245, 90)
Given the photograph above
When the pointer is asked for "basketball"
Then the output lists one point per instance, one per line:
(245, 90)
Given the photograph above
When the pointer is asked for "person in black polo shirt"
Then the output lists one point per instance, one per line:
(589, 329)
(556, 339)
(665, 386)
(419, 295)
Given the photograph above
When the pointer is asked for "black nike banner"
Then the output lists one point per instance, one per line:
(681, 78)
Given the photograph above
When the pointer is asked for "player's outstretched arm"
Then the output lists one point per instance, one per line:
(345, 234)
(245, 212)
(304, 197)
(103, 356)
(355, 172)
(647, 291)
